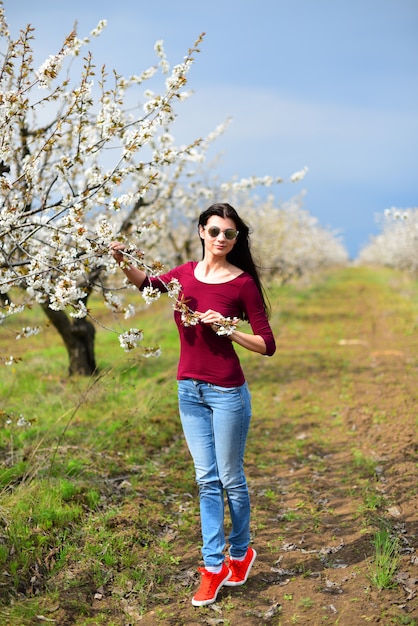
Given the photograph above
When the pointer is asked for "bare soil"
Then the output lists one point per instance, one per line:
(332, 457)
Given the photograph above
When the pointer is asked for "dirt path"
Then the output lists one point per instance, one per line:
(332, 457)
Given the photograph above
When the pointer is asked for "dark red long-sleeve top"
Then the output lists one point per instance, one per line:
(203, 354)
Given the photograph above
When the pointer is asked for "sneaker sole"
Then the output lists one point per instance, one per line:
(228, 583)
(212, 600)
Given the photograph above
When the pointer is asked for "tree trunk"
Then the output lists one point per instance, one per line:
(5, 299)
(78, 336)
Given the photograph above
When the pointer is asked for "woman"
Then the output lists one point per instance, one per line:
(214, 400)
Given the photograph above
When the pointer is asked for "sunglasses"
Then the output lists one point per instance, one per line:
(229, 233)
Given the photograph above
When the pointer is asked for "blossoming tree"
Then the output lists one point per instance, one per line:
(397, 244)
(80, 165)
(291, 241)
(69, 156)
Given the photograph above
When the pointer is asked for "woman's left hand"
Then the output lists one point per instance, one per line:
(211, 317)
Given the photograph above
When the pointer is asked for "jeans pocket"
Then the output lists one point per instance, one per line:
(235, 396)
(225, 390)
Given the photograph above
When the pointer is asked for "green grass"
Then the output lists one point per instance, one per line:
(385, 561)
(97, 489)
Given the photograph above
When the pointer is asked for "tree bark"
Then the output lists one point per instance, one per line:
(78, 336)
(5, 299)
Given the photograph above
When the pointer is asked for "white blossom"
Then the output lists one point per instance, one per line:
(66, 292)
(130, 339)
(173, 288)
(397, 244)
(80, 310)
(150, 294)
(159, 49)
(99, 28)
(129, 311)
(152, 352)
(22, 422)
(189, 319)
(27, 331)
(298, 176)
(50, 68)
(106, 231)
(226, 326)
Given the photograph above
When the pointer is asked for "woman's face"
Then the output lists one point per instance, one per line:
(218, 245)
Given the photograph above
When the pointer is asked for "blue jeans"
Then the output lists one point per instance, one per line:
(215, 422)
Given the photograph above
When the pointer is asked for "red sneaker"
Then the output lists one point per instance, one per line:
(240, 569)
(210, 585)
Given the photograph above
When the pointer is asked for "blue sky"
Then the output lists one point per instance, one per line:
(330, 84)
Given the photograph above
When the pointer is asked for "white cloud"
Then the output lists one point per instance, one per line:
(345, 141)
(265, 113)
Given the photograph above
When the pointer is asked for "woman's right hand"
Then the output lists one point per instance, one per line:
(135, 275)
(116, 250)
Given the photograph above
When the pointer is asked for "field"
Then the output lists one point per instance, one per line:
(99, 520)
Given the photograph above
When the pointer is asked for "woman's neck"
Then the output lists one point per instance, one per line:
(216, 270)
(213, 265)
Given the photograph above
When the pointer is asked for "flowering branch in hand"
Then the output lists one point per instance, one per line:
(188, 316)
(226, 326)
